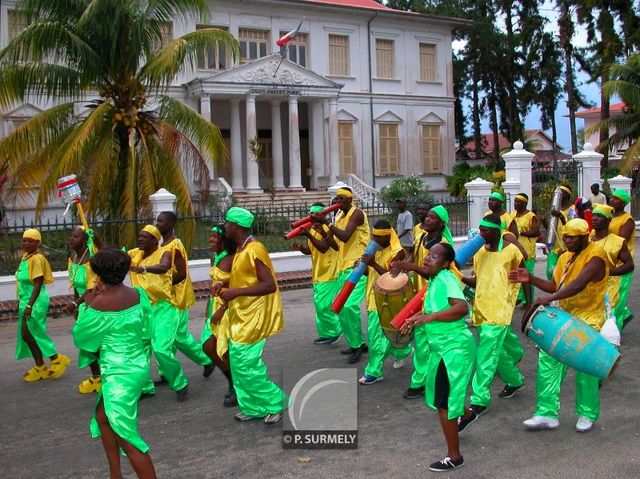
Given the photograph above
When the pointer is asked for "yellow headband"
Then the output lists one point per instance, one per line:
(153, 231)
(32, 234)
(394, 241)
(381, 231)
(522, 198)
(345, 193)
(565, 189)
(576, 227)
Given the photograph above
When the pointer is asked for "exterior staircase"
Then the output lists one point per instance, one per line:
(281, 198)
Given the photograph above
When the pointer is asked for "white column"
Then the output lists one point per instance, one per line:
(276, 145)
(478, 192)
(334, 147)
(253, 174)
(623, 183)
(236, 146)
(295, 163)
(316, 138)
(205, 112)
(162, 200)
(590, 171)
(518, 166)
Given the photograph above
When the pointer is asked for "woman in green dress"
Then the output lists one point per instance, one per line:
(33, 273)
(83, 280)
(116, 324)
(441, 327)
(215, 334)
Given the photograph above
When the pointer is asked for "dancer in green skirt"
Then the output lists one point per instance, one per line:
(34, 272)
(452, 348)
(116, 324)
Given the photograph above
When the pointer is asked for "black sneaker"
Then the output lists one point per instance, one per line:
(333, 339)
(357, 354)
(182, 394)
(348, 351)
(479, 410)
(465, 423)
(446, 464)
(509, 391)
(208, 370)
(161, 382)
(414, 393)
(231, 400)
(321, 340)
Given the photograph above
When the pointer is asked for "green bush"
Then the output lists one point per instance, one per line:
(411, 188)
(463, 173)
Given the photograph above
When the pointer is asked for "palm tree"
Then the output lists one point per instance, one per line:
(114, 124)
(625, 129)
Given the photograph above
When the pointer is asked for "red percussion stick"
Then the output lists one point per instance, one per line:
(309, 219)
(412, 307)
(342, 297)
(296, 231)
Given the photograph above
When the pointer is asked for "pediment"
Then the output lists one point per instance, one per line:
(431, 118)
(344, 115)
(24, 111)
(388, 117)
(265, 71)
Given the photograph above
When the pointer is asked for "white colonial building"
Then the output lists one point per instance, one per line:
(363, 90)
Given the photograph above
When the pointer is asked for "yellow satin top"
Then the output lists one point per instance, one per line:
(611, 244)
(494, 299)
(617, 222)
(216, 274)
(352, 250)
(525, 223)
(157, 286)
(588, 304)
(183, 292)
(38, 265)
(383, 258)
(253, 318)
(324, 266)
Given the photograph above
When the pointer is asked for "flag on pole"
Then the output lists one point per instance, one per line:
(284, 40)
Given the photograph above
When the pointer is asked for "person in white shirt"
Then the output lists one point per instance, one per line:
(404, 226)
(597, 196)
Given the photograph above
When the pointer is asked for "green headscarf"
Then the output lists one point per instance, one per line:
(497, 196)
(240, 216)
(442, 213)
(316, 209)
(500, 227)
(217, 229)
(623, 195)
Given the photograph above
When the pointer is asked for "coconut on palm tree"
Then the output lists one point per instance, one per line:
(104, 67)
(624, 129)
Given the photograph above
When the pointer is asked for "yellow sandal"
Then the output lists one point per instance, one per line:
(37, 373)
(90, 385)
(58, 365)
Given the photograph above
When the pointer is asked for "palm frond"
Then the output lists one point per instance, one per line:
(182, 53)
(166, 10)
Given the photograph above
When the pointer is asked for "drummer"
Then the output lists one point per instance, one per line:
(436, 227)
(499, 350)
(379, 346)
(619, 260)
(579, 284)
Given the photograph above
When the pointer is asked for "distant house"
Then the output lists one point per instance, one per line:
(536, 141)
(591, 117)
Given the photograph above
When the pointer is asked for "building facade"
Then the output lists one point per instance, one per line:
(363, 90)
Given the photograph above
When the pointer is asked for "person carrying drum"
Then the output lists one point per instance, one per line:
(622, 224)
(436, 227)
(579, 284)
(499, 349)
(564, 214)
(323, 250)
(453, 349)
(529, 230)
(351, 232)
(618, 256)
(379, 345)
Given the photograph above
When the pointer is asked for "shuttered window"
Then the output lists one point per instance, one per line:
(347, 158)
(431, 149)
(215, 55)
(339, 55)
(385, 58)
(428, 62)
(254, 44)
(389, 161)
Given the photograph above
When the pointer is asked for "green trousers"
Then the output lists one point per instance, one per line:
(530, 264)
(327, 323)
(165, 324)
(380, 347)
(257, 395)
(622, 311)
(349, 317)
(186, 343)
(499, 350)
(551, 373)
(421, 356)
(552, 261)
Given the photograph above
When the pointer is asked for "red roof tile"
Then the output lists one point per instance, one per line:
(613, 107)
(368, 4)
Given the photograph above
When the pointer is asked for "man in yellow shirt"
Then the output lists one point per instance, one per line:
(351, 232)
(150, 270)
(529, 230)
(255, 313)
(499, 349)
(324, 257)
(182, 290)
(579, 284)
(622, 224)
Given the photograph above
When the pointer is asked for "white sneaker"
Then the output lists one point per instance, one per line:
(541, 422)
(398, 363)
(584, 424)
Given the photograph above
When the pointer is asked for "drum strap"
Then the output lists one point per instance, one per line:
(430, 244)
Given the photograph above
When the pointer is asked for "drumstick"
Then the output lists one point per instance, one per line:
(296, 231)
(412, 307)
(356, 274)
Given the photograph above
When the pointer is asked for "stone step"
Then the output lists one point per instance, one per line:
(281, 198)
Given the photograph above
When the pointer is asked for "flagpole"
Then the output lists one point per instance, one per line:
(283, 48)
(280, 62)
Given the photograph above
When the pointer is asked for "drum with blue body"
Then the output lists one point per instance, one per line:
(571, 341)
(469, 249)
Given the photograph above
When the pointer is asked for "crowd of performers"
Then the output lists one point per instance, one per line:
(118, 328)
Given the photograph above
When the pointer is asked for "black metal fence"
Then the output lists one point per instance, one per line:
(270, 224)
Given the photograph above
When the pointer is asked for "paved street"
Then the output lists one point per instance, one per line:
(45, 425)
